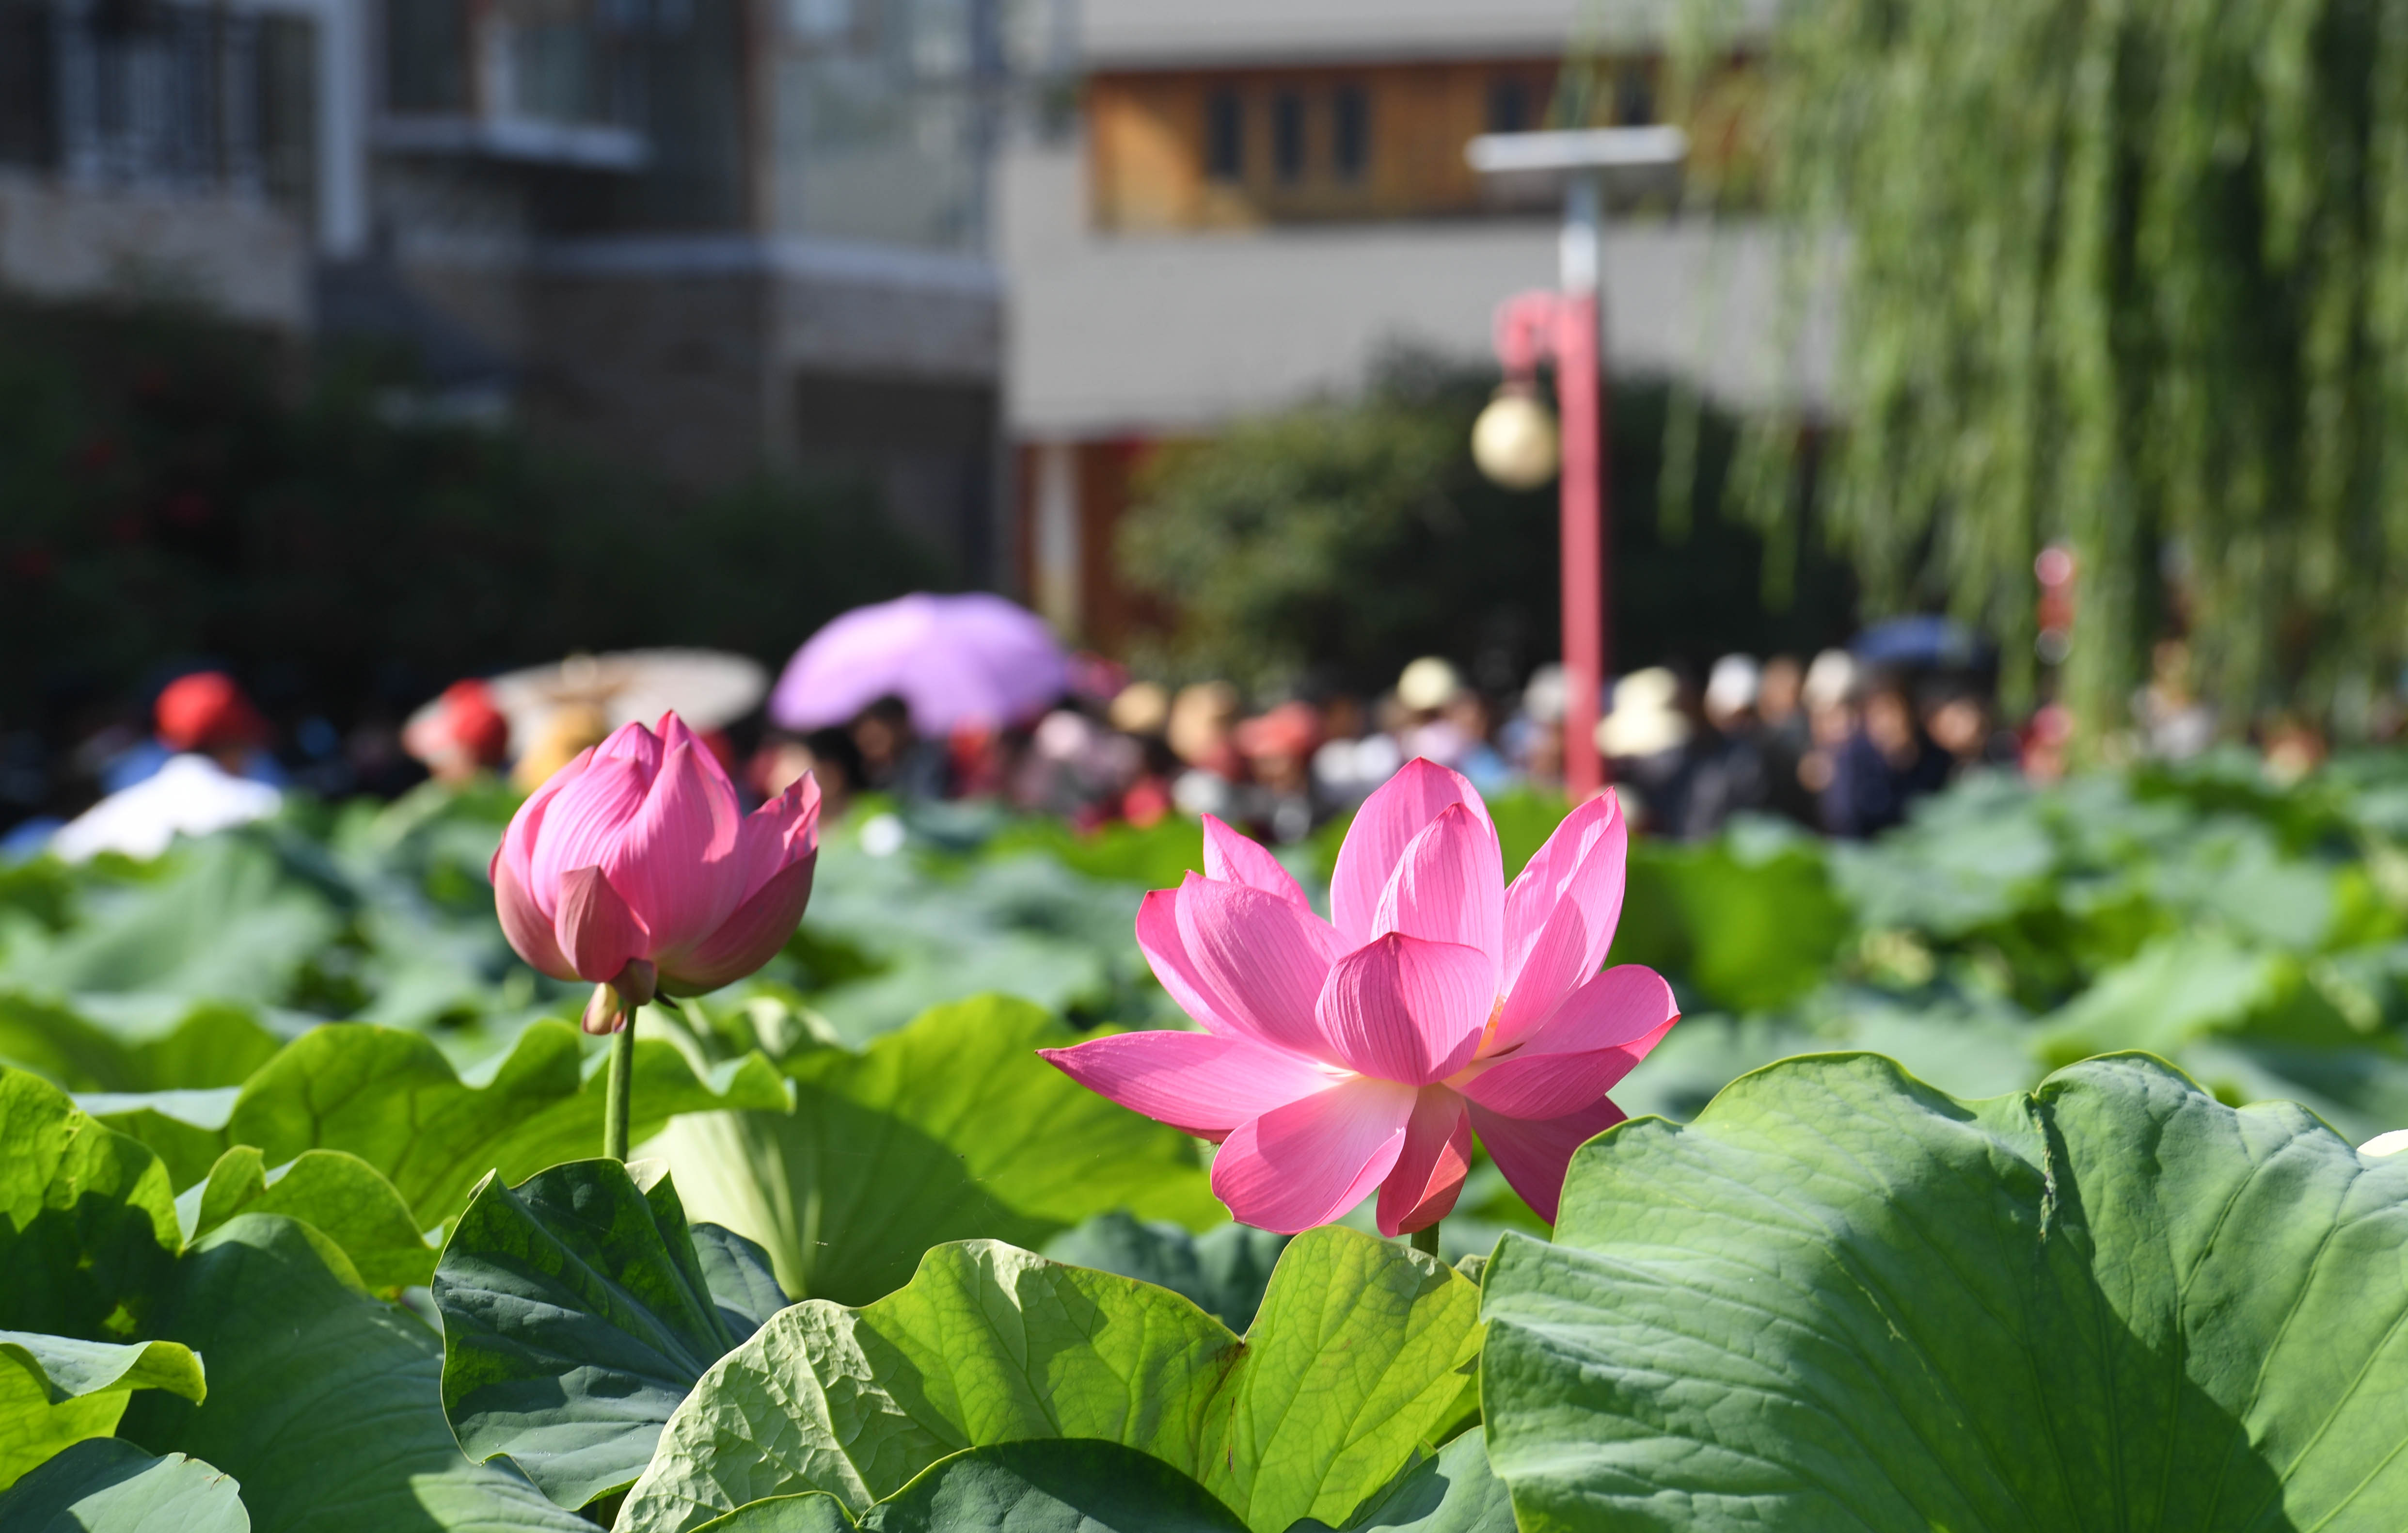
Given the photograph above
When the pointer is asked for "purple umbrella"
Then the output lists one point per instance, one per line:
(972, 659)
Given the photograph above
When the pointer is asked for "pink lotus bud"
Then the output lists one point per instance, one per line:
(1359, 1054)
(634, 869)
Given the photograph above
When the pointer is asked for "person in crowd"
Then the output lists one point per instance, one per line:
(1888, 762)
(2174, 721)
(565, 732)
(202, 713)
(1532, 740)
(1647, 737)
(1278, 747)
(1828, 696)
(1354, 757)
(1784, 737)
(1201, 733)
(1729, 773)
(894, 758)
(463, 737)
(1956, 716)
(1141, 711)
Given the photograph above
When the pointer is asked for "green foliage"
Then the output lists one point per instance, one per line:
(1344, 539)
(1222, 1271)
(337, 1193)
(1358, 1353)
(170, 495)
(2128, 276)
(577, 1314)
(320, 1398)
(87, 1219)
(950, 1129)
(1452, 1491)
(392, 1099)
(109, 1485)
(2110, 1300)
(1064, 1485)
(55, 1391)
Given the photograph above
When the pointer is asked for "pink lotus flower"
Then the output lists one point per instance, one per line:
(1362, 1052)
(635, 867)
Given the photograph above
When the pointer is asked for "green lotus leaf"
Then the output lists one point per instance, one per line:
(1841, 1299)
(342, 1196)
(88, 1232)
(1360, 1348)
(391, 1098)
(948, 1130)
(56, 1390)
(109, 1485)
(578, 1315)
(102, 1044)
(1047, 1485)
(1223, 1270)
(1451, 1491)
(324, 1402)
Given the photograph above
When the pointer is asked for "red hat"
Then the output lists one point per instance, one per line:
(463, 720)
(205, 710)
(1291, 729)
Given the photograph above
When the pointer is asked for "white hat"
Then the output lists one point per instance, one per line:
(1428, 683)
(1731, 686)
(1646, 717)
(1548, 692)
(1828, 679)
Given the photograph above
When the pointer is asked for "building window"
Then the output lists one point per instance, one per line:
(1634, 96)
(1287, 136)
(1509, 106)
(1224, 136)
(1351, 136)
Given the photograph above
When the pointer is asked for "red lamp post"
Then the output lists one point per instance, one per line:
(1568, 326)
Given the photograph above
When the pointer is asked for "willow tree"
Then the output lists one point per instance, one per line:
(2131, 275)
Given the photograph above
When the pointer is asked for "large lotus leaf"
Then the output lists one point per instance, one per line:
(109, 1485)
(1061, 1485)
(100, 1046)
(225, 918)
(1224, 1270)
(341, 1195)
(1451, 1491)
(1843, 1299)
(324, 1402)
(2189, 986)
(576, 1316)
(88, 1231)
(950, 1129)
(391, 1098)
(1748, 921)
(1360, 1351)
(56, 1390)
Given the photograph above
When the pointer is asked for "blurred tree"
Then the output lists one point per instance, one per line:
(171, 488)
(1335, 542)
(2135, 275)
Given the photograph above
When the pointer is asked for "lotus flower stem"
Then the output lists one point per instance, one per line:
(619, 1090)
(1426, 1239)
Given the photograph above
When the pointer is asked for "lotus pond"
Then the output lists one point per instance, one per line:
(2000, 1175)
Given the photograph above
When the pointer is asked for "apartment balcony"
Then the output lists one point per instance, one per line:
(531, 82)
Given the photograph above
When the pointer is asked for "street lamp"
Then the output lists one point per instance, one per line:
(1514, 442)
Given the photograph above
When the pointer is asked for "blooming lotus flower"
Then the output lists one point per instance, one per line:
(1364, 1051)
(635, 867)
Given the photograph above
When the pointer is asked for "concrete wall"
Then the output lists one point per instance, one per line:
(236, 254)
(1148, 336)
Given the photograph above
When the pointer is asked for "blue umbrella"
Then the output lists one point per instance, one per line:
(1927, 639)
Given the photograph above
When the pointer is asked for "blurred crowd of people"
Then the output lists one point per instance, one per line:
(1843, 744)
(1835, 746)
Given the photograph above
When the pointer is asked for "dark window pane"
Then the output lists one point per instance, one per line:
(1224, 136)
(1287, 135)
(427, 55)
(1352, 133)
(1634, 96)
(1509, 106)
(28, 126)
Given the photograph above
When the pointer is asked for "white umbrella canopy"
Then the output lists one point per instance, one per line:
(707, 688)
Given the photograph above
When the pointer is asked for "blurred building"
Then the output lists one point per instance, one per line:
(704, 237)
(1243, 203)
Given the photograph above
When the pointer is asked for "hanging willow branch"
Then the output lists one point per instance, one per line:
(2131, 273)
